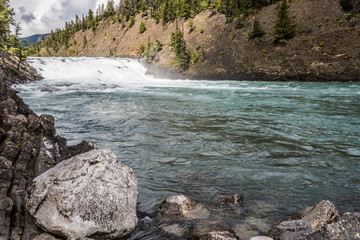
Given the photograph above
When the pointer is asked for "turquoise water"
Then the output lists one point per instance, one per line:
(282, 145)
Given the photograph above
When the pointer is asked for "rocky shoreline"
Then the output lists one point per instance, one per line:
(49, 190)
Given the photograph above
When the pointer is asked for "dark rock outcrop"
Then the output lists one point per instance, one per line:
(90, 195)
(28, 147)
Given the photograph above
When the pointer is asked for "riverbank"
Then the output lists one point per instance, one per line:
(325, 46)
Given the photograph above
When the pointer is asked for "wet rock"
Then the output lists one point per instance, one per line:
(183, 207)
(226, 200)
(347, 227)
(293, 229)
(213, 232)
(261, 238)
(298, 224)
(177, 230)
(317, 216)
(90, 195)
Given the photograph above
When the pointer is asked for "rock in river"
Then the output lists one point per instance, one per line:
(90, 195)
(180, 206)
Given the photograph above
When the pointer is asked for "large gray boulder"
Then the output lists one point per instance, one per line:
(89, 195)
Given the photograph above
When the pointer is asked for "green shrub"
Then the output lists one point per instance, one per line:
(141, 49)
(194, 57)
(142, 28)
(191, 25)
(240, 23)
(132, 21)
(159, 46)
(85, 42)
(321, 44)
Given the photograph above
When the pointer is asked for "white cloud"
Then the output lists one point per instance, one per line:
(42, 16)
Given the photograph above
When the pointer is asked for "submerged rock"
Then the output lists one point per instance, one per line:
(90, 195)
(225, 200)
(183, 207)
(213, 232)
(261, 238)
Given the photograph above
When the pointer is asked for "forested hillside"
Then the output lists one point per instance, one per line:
(221, 39)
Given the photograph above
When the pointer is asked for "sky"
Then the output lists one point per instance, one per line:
(41, 16)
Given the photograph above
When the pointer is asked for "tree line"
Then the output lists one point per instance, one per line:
(10, 43)
(162, 11)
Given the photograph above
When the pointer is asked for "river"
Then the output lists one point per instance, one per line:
(282, 145)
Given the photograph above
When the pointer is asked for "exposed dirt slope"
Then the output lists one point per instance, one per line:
(326, 46)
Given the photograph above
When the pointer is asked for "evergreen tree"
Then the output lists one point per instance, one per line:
(84, 42)
(6, 18)
(178, 44)
(257, 31)
(284, 26)
(110, 9)
(17, 46)
(90, 21)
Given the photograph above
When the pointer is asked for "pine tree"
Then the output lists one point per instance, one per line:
(284, 26)
(257, 31)
(17, 46)
(90, 20)
(178, 44)
(84, 42)
(6, 18)
(110, 9)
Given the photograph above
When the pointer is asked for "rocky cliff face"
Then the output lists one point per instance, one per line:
(28, 147)
(326, 45)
